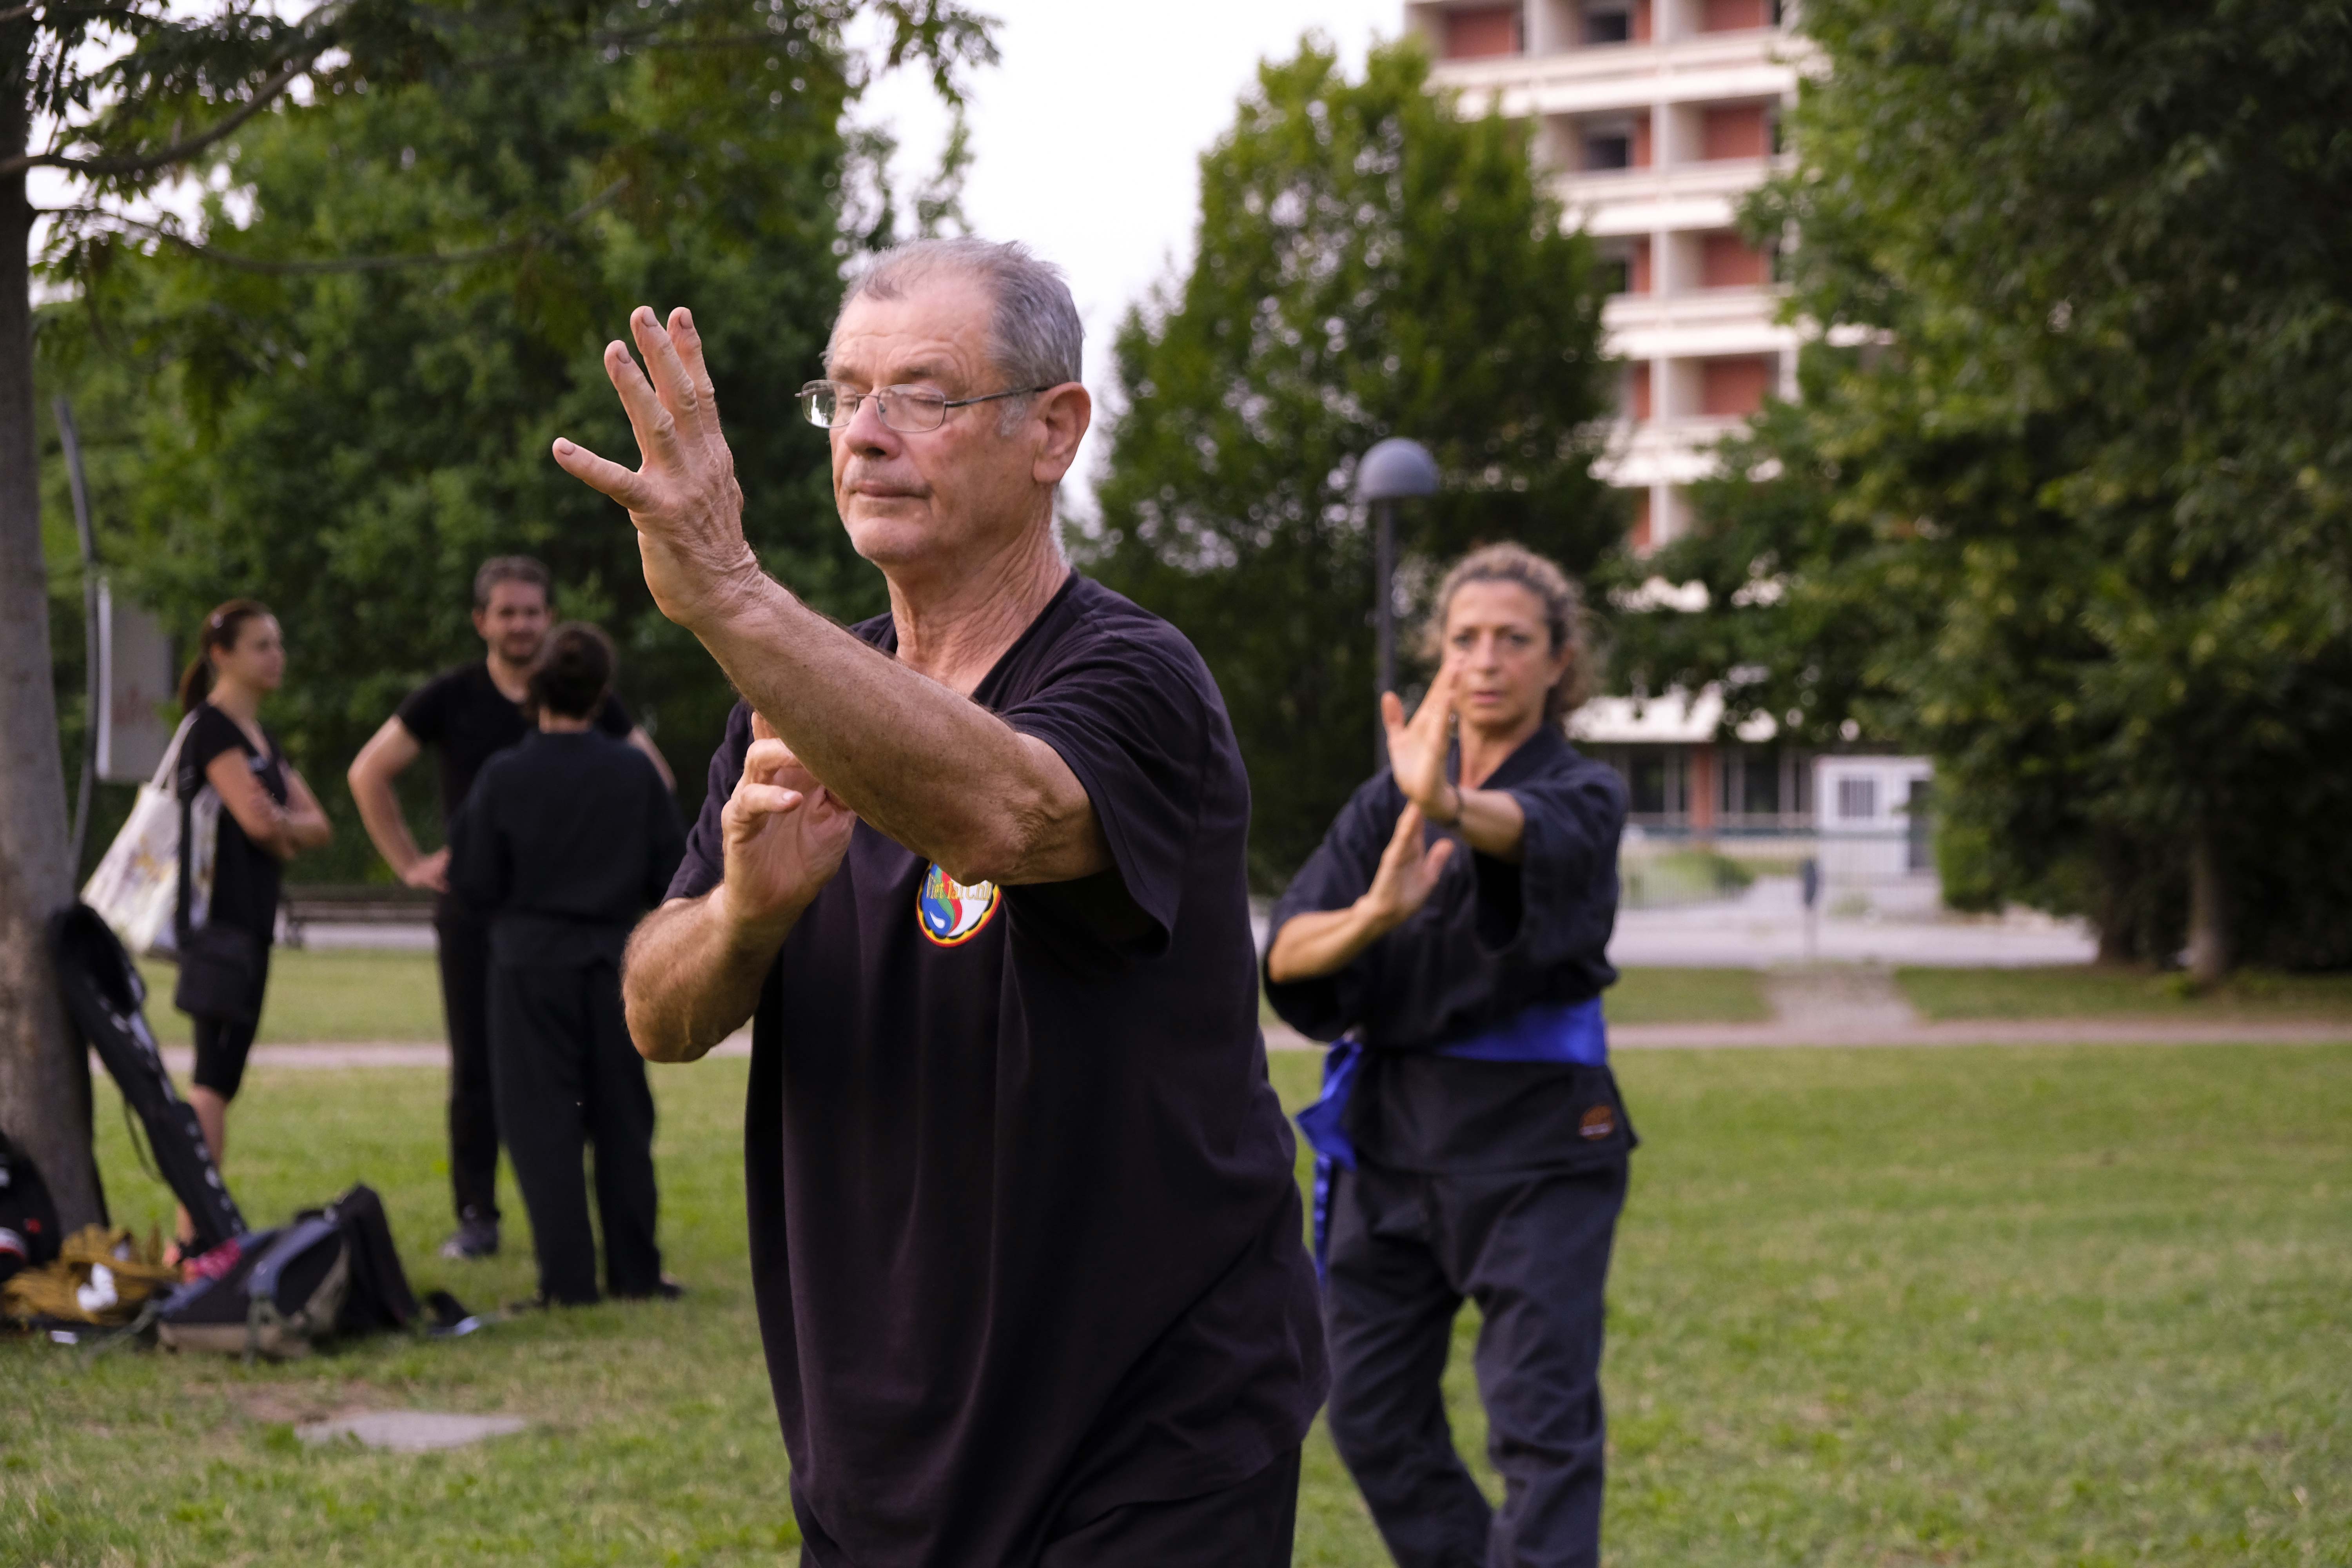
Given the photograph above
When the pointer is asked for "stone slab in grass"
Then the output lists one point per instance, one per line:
(412, 1431)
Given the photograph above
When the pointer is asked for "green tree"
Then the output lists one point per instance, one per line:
(332, 401)
(1368, 263)
(2070, 511)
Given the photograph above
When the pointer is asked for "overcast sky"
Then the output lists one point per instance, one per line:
(1086, 138)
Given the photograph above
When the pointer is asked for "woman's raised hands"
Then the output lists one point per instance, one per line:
(1418, 747)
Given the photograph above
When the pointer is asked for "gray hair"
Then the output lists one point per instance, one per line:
(1035, 338)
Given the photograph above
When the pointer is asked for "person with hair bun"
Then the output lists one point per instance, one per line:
(563, 843)
(268, 815)
(1450, 934)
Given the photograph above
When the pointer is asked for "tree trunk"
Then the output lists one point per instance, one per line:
(2209, 910)
(44, 1072)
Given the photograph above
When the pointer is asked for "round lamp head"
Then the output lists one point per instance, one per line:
(1395, 470)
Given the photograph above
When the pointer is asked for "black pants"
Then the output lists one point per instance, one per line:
(567, 1077)
(1247, 1525)
(463, 948)
(1533, 1251)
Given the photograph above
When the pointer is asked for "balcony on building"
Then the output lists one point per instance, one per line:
(1476, 30)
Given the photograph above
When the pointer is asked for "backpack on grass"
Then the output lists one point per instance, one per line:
(331, 1270)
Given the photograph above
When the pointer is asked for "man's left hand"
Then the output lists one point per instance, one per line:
(683, 498)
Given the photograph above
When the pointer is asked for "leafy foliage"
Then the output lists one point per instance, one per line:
(2069, 507)
(283, 404)
(1367, 264)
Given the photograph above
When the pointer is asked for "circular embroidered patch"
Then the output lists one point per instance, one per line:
(952, 912)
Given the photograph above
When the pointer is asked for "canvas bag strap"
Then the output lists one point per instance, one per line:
(164, 769)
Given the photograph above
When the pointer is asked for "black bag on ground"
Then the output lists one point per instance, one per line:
(333, 1270)
(103, 994)
(285, 1291)
(28, 1218)
(378, 1296)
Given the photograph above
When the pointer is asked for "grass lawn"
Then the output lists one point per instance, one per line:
(2075, 1307)
(2081, 991)
(1688, 996)
(333, 994)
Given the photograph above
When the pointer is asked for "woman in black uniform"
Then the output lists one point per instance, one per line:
(563, 843)
(1450, 933)
(268, 816)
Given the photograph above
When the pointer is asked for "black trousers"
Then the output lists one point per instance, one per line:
(463, 949)
(567, 1077)
(1533, 1251)
(1247, 1525)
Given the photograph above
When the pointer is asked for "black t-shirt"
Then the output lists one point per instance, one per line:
(1025, 1240)
(1494, 939)
(463, 712)
(245, 875)
(565, 841)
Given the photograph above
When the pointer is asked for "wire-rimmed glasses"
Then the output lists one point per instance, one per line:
(910, 410)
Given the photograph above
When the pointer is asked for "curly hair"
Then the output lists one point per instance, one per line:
(1563, 605)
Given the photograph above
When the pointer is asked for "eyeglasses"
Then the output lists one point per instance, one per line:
(910, 410)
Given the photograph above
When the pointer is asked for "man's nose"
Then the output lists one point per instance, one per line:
(865, 432)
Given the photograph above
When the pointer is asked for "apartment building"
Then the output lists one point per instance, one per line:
(1655, 118)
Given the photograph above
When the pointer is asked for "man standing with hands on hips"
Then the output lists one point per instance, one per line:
(1024, 1237)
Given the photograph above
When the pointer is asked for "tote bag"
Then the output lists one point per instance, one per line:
(136, 888)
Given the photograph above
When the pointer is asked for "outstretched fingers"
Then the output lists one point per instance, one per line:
(673, 383)
(688, 340)
(655, 430)
(626, 486)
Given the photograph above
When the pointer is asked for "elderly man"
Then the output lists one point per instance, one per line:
(1025, 1238)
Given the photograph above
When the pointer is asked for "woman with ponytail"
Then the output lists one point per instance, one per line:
(268, 815)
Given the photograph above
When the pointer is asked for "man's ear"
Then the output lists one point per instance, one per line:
(1064, 413)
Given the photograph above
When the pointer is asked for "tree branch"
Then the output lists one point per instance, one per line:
(179, 152)
(198, 249)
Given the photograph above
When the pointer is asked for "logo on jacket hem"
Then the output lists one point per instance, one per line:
(951, 912)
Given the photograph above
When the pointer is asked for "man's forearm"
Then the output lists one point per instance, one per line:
(692, 975)
(380, 814)
(880, 735)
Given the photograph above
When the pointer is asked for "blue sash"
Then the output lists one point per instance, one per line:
(1567, 1033)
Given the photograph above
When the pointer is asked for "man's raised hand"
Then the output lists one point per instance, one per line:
(784, 836)
(683, 498)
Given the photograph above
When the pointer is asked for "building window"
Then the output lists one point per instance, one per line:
(1759, 783)
(1736, 15)
(1727, 261)
(1483, 32)
(1608, 23)
(1857, 800)
(1640, 534)
(1656, 783)
(1609, 149)
(1637, 390)
(1616, 273)
(1734, 387)
(1734, 131)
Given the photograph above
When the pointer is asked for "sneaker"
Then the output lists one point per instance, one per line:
(472, 1239)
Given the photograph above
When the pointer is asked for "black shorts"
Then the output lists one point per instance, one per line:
(222, 1045)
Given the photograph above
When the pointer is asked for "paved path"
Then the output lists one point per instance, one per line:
(1623, 1038)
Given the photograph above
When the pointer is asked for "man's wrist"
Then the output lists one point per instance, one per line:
(753, 930)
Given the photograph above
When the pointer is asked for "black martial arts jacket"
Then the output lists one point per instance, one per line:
(1493, 940)
(564, 841)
